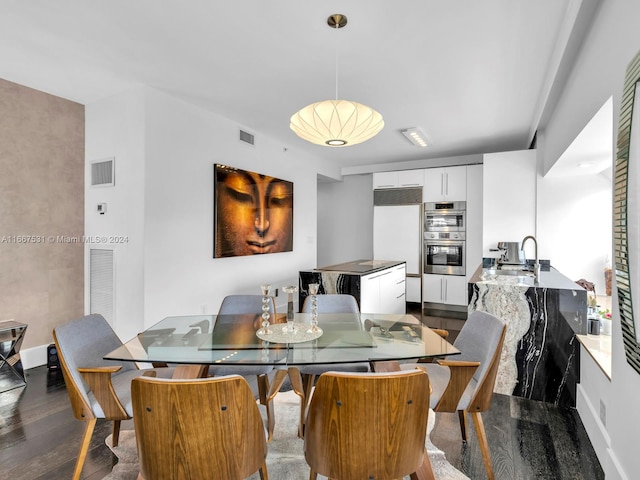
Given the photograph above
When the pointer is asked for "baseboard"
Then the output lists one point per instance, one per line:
(34, 356)
(613, 469)
(599, 437)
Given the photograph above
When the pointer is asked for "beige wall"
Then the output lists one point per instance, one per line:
(41, 195)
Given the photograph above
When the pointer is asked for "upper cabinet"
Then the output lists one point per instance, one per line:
(399, 179)
(445, 184)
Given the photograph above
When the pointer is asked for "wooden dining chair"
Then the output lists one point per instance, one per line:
(465, 384)
(368, 425)
(97, 388)
(248, 309)
(303, 377)
(198, 429)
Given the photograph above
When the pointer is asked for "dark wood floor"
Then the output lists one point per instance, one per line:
(39, 438)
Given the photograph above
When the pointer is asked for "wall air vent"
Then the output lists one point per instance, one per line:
(103, 173)
(101, 283)
(397, 196)
(246, 137)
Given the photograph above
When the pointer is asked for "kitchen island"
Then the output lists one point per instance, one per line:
(540, 357)
(378, 285)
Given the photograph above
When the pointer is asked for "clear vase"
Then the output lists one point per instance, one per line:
(290, 328)
(266, 300)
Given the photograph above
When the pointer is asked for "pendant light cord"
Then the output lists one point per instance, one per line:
(337, 27)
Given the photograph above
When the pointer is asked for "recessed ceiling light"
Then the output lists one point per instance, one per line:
(416, 136)
(585, 165)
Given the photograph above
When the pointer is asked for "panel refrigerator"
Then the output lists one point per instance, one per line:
(397, 234)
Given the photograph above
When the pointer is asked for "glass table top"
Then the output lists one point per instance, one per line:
(232, 339)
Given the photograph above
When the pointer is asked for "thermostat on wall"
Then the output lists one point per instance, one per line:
(102, 208)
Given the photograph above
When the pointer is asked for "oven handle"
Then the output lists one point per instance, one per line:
(448, 243)
(444, 212)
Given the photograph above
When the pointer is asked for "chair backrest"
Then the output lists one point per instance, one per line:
(332, 303)
(197, 429)
(480, 340)
(83, 343)
(367, 425)
(242, 304)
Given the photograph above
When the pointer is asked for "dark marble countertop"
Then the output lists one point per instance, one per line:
(361, 267)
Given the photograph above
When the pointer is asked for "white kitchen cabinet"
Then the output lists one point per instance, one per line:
(384, 291)
(414, 289)
(445, 289)
(399, 179)
(473, 249)
(385, 180)
(410, 178)
(445, 184)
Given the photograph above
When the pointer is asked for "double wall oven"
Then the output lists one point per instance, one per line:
(444, 238)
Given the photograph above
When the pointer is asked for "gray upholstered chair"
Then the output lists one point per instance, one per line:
(303, 377)
(97, 388)
(378, 435)
(332, 303)
(465, 382)
(248, 308)
(198, 429)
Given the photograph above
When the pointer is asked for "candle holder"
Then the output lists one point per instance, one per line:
(266, 300)
(313, 292)
(290, 328)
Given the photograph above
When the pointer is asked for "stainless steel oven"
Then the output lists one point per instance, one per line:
(445, 217)
(445, 256)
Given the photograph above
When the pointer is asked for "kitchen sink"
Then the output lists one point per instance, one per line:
(510, 277)
(509, 272)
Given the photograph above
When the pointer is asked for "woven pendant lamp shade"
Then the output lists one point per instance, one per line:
(336, 123)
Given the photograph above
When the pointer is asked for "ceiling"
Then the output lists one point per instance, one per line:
(475, 76)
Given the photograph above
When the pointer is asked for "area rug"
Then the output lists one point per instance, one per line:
(285, 458)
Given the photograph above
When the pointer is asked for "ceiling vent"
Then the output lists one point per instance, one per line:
(246, 137)
(103, 173)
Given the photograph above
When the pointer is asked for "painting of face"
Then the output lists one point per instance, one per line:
(253, 213)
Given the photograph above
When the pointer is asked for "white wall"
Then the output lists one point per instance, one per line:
(115, 128)
(508, 199)
(574, 226)
(598, 73)
(345, 220)
(164, 203)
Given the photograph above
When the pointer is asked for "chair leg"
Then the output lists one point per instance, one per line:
(84, 447)
(313, 475)
(263, 387)
(484, 445)
(116, 433)
(263, 472)
(271, 419)
(425, 472)
(307, 381)
(298, 388)
(462, 416)
(276, 384)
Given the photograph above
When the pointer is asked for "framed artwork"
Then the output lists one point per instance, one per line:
(253, 213)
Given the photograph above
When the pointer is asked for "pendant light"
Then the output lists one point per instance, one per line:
(336, 123)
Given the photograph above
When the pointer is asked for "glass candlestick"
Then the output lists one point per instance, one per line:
(266, 301)
(291, 289)
(313, 292)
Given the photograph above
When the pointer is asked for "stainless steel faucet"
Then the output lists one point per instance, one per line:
(536, 265)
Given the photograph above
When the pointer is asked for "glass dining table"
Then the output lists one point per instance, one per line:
(233, 340)
(192, 343)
